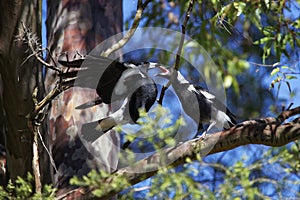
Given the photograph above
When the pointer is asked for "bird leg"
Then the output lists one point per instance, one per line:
(213, 123)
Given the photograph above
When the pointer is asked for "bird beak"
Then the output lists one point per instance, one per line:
(164, 72)
(153, 65)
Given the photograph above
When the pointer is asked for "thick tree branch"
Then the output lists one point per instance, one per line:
(267, 131)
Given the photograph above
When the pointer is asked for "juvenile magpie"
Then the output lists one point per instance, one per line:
(198, 103)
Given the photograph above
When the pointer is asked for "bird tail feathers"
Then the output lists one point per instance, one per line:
(89, 104)
(93, 130)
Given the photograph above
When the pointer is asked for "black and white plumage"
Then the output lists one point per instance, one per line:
(127, 82)
(139, 91)
(111, 79)
(198, 103)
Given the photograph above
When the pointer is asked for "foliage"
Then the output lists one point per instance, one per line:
(272, 175)
(156, 128)
(23, 189)
(245, 39)
(241, 180)
(99, 183)
(175, 184)
(281, 75)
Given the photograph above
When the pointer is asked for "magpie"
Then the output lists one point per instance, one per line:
(117, 81)
(198, 103)
(114, 78)
(139, 91)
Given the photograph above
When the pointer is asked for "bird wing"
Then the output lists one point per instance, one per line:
(207, 94)
(204, 92)
(218, 105)
(109, 80)
(85, 72)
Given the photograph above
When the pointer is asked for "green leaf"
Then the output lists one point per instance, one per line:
(240, 6)
(228, 81)
(275, 71)
(267, 3)
(263, 40)
(286, 67)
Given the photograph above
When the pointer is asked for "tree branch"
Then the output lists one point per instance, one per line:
(50, 96)
(177, 61)
(136, 21)
(267, 131)
(187, 17)
(31, 39)
(35, 163)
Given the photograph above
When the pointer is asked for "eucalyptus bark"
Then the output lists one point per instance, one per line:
(76, 27)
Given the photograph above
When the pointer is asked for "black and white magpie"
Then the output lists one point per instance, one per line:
(198, 103)
(115, 79)
(127, 82)
(138, 90)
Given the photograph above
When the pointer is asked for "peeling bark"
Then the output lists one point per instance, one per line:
(76, 26)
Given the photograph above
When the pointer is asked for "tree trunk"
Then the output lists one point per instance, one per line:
(76, 26)
(18, 81)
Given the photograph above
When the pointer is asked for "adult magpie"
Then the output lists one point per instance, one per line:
(138, 90)
(116, 81)
(198, 103)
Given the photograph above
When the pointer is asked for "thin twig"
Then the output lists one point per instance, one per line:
(288, 113)
(178, 55)
(34, 118)
(34, 123)
(264, 65)
(36, 49)
(136, 21)
(48, 152)
(52, 59)
(50, 96)
(41, 60)
(187, 17)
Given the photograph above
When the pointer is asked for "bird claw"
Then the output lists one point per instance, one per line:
(202, 137)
